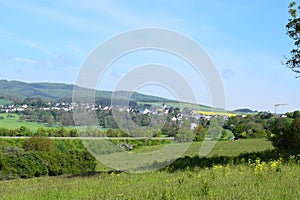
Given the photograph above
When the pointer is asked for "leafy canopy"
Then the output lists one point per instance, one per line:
(293, 31)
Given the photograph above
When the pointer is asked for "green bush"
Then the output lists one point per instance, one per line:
(38, 143)
(285, 135)
(73, 162)
(35, 164)
(25, 165)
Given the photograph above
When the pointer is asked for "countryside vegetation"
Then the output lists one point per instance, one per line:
(256, 156)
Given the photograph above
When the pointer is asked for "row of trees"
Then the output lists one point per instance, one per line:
(42, 131)
(65, 118)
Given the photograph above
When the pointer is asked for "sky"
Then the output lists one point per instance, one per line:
(48, 41)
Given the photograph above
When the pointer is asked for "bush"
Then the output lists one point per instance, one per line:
(25, 165)
(74, 162)
(38, 143)
(285, 135)
(72, 158)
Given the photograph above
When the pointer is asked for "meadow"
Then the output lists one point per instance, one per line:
(14, 121)
(250, 179)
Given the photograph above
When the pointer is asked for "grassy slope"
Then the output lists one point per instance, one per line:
(255, 181)
(221, 148)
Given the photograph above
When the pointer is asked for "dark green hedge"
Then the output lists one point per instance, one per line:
(70, 157)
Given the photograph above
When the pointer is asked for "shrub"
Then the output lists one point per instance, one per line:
(25, 165)
(285, 135)
(38, 143)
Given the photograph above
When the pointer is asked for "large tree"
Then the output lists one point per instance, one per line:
(293, 31)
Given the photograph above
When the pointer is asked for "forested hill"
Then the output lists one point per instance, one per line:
(54, 91)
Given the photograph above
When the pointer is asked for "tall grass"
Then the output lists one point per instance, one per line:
(253, 179)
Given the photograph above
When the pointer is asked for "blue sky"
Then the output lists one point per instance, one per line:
(47, 41)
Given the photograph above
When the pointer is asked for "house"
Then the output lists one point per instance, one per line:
(193, 126)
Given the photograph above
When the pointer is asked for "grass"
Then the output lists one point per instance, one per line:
(252, 179)
(15, 122)
(246, 181)
(221, 148)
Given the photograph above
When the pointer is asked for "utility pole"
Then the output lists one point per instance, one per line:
(276, 105)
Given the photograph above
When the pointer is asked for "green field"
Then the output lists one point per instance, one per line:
(15, 122)
(251, 179)
(222, 148)
(257, 180)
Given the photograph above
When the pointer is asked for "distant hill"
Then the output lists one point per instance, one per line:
(56, 91)
(243, 110)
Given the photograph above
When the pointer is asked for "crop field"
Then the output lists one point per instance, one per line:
(250, 179)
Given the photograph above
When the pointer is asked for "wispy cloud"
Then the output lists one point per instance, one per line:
(25, 60)
(66, 18)
(38, 47)
(77, 50)
(125, 17)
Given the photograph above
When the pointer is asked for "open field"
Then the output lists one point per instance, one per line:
(251, 179)
(221, 148)
(257, 180)
(15, 122)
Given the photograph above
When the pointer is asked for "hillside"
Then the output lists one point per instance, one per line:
(55, 91)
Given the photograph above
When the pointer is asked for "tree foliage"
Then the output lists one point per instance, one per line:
(293, 31)
(38, 143)
(285, 135)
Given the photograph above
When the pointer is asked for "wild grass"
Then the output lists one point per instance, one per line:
(253, 180)
(250, 179)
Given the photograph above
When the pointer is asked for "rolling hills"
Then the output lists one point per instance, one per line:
(56, 91)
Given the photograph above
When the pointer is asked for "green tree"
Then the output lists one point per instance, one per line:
(200, 133)
(296, 114)
(38, 143)
(215, 128)
(24, 131)
(285, 135)
(184, 135)
(293, 31)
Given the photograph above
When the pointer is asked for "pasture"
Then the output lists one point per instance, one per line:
(12, 121)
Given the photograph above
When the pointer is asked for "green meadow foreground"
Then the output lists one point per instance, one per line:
(249, 179)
